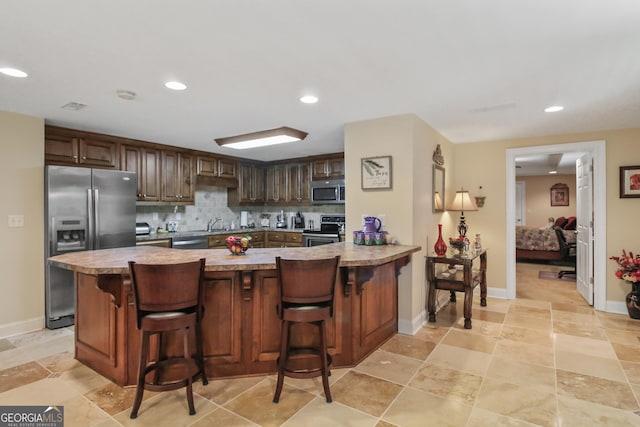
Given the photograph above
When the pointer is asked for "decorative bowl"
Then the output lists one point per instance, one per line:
(237, 245)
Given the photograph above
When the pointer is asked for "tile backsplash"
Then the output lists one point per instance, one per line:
(211, 203)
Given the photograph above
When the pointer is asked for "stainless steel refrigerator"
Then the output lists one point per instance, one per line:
(85, 209)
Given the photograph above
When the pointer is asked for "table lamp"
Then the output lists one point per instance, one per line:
(462, 202)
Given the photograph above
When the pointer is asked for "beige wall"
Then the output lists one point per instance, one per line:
(538, 198)
(407, 206)
(488, 163)
(22, 249)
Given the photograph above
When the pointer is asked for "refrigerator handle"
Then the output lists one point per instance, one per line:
(96, 213)
(53, 237)
(91, 224)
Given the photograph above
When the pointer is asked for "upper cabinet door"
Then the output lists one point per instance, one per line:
(177, 177)
(66, 149)
(329, 168)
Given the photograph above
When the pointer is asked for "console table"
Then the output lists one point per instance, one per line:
(464, 280)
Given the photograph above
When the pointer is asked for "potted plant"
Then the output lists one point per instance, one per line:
(629, 271)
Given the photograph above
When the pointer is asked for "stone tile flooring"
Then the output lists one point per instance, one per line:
(544, 359)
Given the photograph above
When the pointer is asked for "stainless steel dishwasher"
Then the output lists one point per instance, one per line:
(190, 242)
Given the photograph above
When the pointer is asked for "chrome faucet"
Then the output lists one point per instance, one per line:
(211, 223)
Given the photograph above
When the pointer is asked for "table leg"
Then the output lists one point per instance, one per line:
(468, 302)
(431, 302)
(452, 296)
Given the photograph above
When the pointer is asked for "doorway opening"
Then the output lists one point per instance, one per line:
(596, 150)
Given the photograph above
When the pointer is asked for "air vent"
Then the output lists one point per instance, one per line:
(73, 106)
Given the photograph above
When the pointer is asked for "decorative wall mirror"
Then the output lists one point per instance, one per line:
(438, 188)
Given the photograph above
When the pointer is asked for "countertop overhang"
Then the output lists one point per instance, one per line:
(115, 261)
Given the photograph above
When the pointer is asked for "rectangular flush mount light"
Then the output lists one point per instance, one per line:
(263, 138)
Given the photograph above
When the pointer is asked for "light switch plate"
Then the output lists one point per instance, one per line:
(16, 220)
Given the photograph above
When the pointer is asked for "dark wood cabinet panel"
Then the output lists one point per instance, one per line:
(217, 167)
(177, 177)
(276, 185)
(145, 162)
(329, 168)
(79, 150)
(250, 189)
(299, 183)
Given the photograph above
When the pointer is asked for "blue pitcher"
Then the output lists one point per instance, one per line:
(371, 223)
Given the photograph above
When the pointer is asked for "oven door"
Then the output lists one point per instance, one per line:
(319, 239)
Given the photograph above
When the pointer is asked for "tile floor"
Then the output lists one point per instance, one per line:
(544, 359)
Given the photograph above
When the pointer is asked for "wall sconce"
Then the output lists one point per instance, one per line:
(479, 201)
(462, 202)
(262, 138)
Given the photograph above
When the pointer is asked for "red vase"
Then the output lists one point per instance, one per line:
(440, 248)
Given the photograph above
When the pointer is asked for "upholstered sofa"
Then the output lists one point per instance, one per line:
(533, 243)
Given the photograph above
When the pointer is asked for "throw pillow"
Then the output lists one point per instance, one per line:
(561, 222)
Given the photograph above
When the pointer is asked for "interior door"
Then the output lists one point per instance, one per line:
(584, 211)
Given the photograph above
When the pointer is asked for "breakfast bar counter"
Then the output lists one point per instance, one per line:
(241, 329)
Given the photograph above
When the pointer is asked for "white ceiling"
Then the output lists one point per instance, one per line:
(474, 70)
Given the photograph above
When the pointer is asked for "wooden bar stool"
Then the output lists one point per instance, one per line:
(168, 299)
(306, 295)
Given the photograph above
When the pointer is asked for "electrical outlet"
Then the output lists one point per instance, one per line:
(16, 220)
(154, 216)
(178, 215)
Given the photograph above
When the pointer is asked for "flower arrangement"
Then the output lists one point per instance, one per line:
(461, 243)
(628, 267)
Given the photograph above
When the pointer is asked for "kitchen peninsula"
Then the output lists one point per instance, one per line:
(241, 330)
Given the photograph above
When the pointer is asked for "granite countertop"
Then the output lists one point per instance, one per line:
(194, 233)
(115, 261)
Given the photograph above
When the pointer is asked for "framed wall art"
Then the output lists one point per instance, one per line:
(629, 181)
(560, 195)
(376, 173)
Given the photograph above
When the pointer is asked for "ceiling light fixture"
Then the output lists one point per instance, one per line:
(175, 85)
(13, 72)
(554, 109)
(309, 99)
(553, 172)
(263, 138)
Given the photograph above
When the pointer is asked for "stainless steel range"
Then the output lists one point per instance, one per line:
(329, 232)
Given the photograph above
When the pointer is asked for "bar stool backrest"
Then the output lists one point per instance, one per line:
(166, 287)
(307, 282)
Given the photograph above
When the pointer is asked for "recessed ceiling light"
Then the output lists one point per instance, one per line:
(309, 99)
(176, 85)
(13, 72)
(554, 109)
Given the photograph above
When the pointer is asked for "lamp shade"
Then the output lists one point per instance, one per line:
(263, 138)
(462, 202)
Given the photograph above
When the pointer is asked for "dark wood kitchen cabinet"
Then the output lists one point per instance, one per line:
(250, 189)
(178, 184)
(63, 147)
(145, 162)
(276, 184)
(217, 167)
(299, 183)
(328, 168)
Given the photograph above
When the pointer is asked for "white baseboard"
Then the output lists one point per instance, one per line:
(411, 328)
(619, 307)
(21, 327)
(501, 293)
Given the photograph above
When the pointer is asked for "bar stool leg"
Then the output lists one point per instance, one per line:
(325, 361)
(282, 359)
(142, 365)
(200, 354)
(187, 356)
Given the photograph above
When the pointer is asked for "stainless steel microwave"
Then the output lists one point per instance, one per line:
(327, 192)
